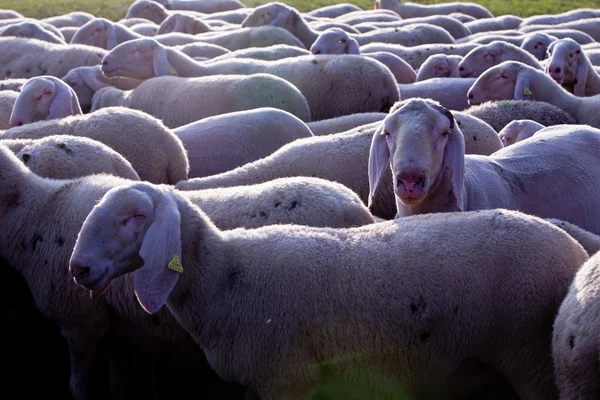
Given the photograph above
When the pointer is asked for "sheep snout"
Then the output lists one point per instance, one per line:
(556, 73)
(410, 186)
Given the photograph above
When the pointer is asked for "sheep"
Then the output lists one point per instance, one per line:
(281, 15)
(243, 38)
(275, 367)
(486, 39)
(464, 18)
(494, 24)
(484, 57)
(131, 22)
(86, 81)
(7, 102)
(336, 41)
(207, 50)
(561, 33)
(344, 123)
(334, 10)
(204, 6)
(450, 92)
(363, 16)
(44, 98)
(83, 323)
(131, 133)
(366, 84)
(517, 130)
(148, 29)
(414, 10)
(570, 67)
(76, 18)
(178, 22)
(68, 32)
(537, 44)
(68, 157)
(439, 66)
(147, 9)
(231, 17)
(32, 31)
(417, 55)
(321, 26)
(425, 148)
(589, 26)
(180, 101)
(10, 14)
(589, 241)
(454, 27)
(498, 114)
(12, 84)
(224, 142)
(337, 157)
(515, 80)
(270, 53)
(555, 19)
(27, 58)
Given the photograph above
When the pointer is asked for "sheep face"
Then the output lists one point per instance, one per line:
(44, 98)
(273, 14)
(518, 130)
(499, 83)
(480, 59)
(178, 23)
(85, 82)
(439, 66)
(95, 33)
(133, 228)
(133, 59)
(424, 145)
(564, 58)
(147, 9)
(537, 44)
(335, 41)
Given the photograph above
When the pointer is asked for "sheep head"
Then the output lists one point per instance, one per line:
(98, 32)
(142, 58)
(335, 41)
(536, 43)
(149, 10)
(518, 130)
(481, 58)
(506, 81)
(273, 14)
(568, 65)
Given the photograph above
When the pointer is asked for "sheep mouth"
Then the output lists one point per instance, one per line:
(99, 283)
(467, 74)
(414, 195)
(107, 71)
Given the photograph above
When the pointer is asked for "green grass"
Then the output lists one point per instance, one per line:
(115, 9)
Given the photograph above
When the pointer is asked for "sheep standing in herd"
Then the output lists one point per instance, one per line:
(198, 191)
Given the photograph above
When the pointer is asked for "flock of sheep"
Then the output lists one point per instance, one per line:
(401, 201)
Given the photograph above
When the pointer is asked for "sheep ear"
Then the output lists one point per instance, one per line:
(352, 47)
(161, 252)
(64, 103)
(379, 159)
(581, 74)
(280, 19)
(90, 79)
(522, 87)
(111, 36)
(179, 25)
(453, 166)
(161, 63)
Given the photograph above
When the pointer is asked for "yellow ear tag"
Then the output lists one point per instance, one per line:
(175, 264)
(527, 92)
(172, 71)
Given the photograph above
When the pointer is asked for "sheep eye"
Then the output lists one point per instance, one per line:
(342, 40)
(139, 215)
(445, 133)
(385, 132)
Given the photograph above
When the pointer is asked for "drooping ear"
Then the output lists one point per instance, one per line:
(379, 159)
(492, 55)
(581, 74)
(162, 242)
(64, 103)
(523, 86)
(453, 166)
(161, 63)
(281, 18)
(352, 46)
(111, 35)
(91, 79)
(179, 24)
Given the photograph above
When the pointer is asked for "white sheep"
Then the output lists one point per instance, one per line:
(454, 27)
(417, 55)
(46, 26)
(321, 26)
(234, 17)
(571, 68)
(86, 81)
(450, 92)
(334, 10)
(515, 80)
(148, 10)
(75, 18)
(498, 23)
(26, 58)
(589, 241)
(208, 50)
(68, 32)
(562, 33)
(7, 101)
(588, 26)
(281, 15)
(414, 10)
(344, 123)
(537, 44)
(517, 130)
(31, 30)
(147, 29)
(464, 18)
(133, 134)
(10, 14)
(289, 311)
(555, 19)
(68, 157)
(202, 6)
(180, 101)
(362, 16)
(439, 66)
(367, 85)
(178, 22)
(39, 208)
(44, 98)
(270, 53)
(243, 38)
(336, 41)
(425, 148)
(224, 142)
(486, 56)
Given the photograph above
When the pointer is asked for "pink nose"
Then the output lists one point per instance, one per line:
(79, 270)
(411, 183)
(15, 123)
(315, 51)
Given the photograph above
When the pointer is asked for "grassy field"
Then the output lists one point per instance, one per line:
(115, 9)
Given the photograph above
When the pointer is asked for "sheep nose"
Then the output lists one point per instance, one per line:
(104, 63)
(461, 69)
(25, 157)
(79, 270)
(470, 96)
(15, 123)
(411, 182)
(316, 51)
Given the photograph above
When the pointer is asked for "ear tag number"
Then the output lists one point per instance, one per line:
(527, 92)
(175, 264)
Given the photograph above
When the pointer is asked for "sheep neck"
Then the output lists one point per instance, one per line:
(305, 33)
(545, 89)
(185, 66)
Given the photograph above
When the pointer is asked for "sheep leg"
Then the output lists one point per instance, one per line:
(82, 353)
